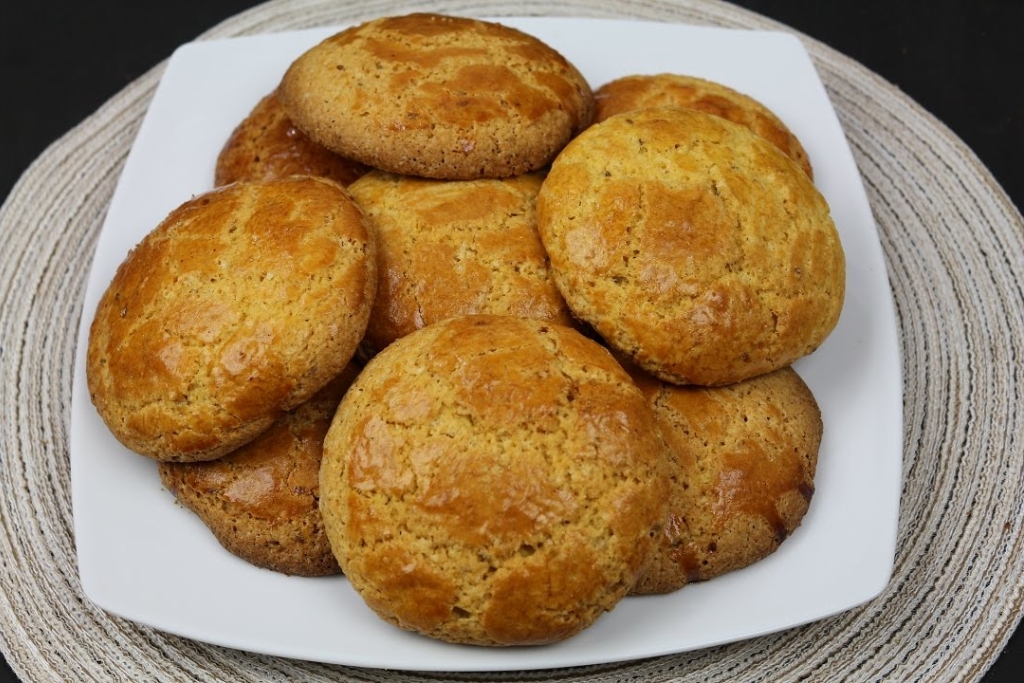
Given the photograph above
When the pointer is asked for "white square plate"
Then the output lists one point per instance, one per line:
(145, 558)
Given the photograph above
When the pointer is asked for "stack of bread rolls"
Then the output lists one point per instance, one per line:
(501, 348)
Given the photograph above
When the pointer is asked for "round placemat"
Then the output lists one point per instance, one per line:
(954, 245)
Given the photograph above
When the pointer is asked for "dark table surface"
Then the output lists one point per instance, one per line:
(963, 60)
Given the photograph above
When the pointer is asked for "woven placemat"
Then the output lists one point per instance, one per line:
(954, 245)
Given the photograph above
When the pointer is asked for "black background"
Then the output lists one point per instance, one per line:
(963, 60)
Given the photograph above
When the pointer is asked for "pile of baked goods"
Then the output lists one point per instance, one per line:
(502, 348)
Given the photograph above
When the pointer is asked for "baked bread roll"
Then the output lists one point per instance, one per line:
(455, 247)
(745, 458)
(692, 246)
(267, 145)
(643, 91)
(438, 96)
(493, 480)
(261, 502)
(243, 303)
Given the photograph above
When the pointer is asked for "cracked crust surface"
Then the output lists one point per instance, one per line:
(449, 247)
(438, 96)
(243, 303)
(267, 145)
(643, 91)
(493, 480)
(745, 456)
(261, 502)
(694, 247)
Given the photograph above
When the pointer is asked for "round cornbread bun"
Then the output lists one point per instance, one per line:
(438, 96)
(455, 247)
(692, 246)
(493, 480)
(261, 501)
(243, 303)
(745, 459)
(267, 145)
(689, 92)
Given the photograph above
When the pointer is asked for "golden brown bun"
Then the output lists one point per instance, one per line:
(438, 96)
(267, 145)
(261, 501)
(689, 92)
(493, 480)
(243, 303)
(694, 247)
(745, 459)
(455, 247)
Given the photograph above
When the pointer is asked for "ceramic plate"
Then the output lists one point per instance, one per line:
(145, 558)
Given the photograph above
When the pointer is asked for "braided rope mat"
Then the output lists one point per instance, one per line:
(954, 245)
